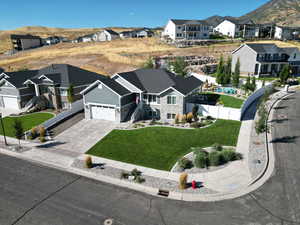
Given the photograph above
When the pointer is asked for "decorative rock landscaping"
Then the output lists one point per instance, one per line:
(187, 163)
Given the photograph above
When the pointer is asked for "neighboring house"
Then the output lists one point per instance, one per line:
(237, 28)
(106, 35)
(154, 93)
(186, 30)
(138, 33)
(52, 40)
(265, 59)
(23, 42)
(86, 38)
(18, 88)
(287, 33)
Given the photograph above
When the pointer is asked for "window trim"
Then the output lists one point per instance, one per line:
(172, 97)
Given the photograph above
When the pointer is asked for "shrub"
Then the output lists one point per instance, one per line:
(42, 139)
(34, 132)
(42, 131)
(189, 117)
(218, 147)
(215, 158)
(200, 160)
(177, 119)
(88, 162)
(185, 163)
(183, 118)
(124, 175)
(195, 112)
(229, 155)
(209, 118)
(135, 172)
(140, 179)
(183, 181)
(196, 125)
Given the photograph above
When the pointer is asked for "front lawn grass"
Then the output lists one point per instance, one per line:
(28, 121)
(161, 147)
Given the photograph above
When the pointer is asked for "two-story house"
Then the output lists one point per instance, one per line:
(287, 33)
(159, 94)
(106, 35)
(233, 28)
(24, 42)
(265, 59)
(186, 30)
(52, 82)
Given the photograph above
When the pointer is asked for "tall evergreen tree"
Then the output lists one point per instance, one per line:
(70, 94)
(221, 71)
(253, 84)
(149, 64)
(178, 66)
(227, 71)
(236, 74)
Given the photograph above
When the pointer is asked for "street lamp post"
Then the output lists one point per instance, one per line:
(3, 129)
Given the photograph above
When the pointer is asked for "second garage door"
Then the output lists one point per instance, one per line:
(10, 102)
(103, 112)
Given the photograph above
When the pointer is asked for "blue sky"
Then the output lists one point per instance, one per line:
(103, 13)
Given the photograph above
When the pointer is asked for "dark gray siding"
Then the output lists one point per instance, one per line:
(26, 91)
(102, 96)
(128, 99)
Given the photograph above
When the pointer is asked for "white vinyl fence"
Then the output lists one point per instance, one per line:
(218, 112)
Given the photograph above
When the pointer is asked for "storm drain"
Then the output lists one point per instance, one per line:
(164, 193)
(108, 222)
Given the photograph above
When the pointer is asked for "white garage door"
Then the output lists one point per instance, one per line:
(103, 113)
(10, 102)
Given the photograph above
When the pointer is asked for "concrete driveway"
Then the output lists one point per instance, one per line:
(84, 135)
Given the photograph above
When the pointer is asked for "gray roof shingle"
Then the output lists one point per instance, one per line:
(157, 80)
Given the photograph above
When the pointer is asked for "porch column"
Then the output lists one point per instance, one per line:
(259, 69)
(37, 90)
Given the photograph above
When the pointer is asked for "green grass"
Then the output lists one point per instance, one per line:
(228, 101)
(28, 122)
(161, 147)
(231, 102)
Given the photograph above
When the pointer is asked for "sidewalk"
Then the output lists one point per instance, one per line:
(232, 181)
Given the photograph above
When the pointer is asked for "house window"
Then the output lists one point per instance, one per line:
(171, 116)
(171, 100)
(150, 99)
(179, 28)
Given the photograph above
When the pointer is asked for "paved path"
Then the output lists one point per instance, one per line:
(83, 135)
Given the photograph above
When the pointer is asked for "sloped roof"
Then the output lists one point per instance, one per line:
(289, 50)
(157, 80)
(182, 22)
(18, 78)
(27, 36)
(238, 21)
(111, 32)
(262, 48)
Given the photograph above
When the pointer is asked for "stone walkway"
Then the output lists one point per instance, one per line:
(232, 181)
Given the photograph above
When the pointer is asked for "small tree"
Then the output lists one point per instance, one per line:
(18, 130)
(149, 64)
(178, 66)
(70, 93)
(247, 85)
(236, 74)
(284, 74)
(195, 112)
(253, 84)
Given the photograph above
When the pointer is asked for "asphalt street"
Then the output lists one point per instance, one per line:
(36, 195)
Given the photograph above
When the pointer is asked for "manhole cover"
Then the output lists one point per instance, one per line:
(108, 222)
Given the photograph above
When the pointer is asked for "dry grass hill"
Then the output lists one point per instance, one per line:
(44, 32)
